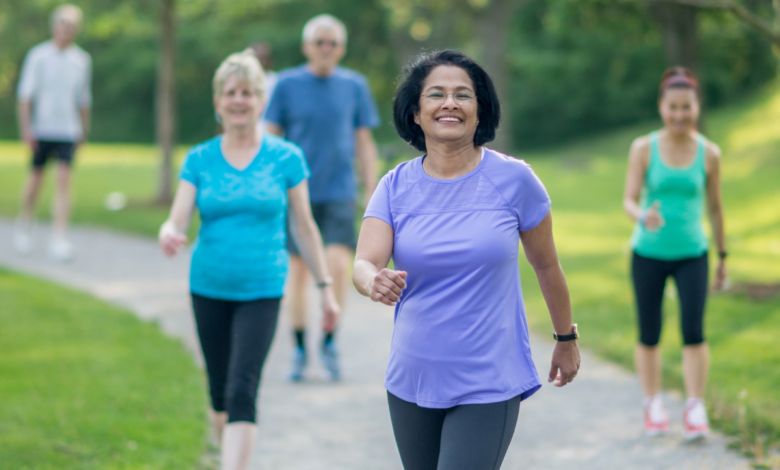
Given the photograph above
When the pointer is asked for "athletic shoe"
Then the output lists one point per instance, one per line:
(60, 249)
(330, 359)
(695, 422)
(298, 365)
(656, 418)
(23, 242)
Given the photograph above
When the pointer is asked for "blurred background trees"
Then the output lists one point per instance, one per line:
(564, 68)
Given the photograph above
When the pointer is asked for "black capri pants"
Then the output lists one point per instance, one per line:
(235, 337)
(649, 277)
(464, 437)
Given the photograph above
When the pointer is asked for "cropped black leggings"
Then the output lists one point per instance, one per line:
(649, 277)
(235, 338)
(465, 437)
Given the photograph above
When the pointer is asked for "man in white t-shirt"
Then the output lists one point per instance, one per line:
(54, 107)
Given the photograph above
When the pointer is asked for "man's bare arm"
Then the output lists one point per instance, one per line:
(367, 155)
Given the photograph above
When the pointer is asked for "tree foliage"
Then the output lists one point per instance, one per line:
(572, 66)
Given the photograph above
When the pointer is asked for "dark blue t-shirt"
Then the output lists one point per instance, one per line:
(320, 115)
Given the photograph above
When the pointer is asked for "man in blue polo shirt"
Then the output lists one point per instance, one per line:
(329, 112)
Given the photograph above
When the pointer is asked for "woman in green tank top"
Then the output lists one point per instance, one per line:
(673, 174)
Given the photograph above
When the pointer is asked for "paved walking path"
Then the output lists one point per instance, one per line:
(594, 423)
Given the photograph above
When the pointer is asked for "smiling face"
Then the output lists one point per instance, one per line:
(448, 106)
(679, 109)
(325, 50)
(238, 105)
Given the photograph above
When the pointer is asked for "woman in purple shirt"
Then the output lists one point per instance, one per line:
(452, 220)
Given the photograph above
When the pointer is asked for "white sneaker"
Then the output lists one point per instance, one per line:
(656, 417)
(695, 422)
(61, 249)
(23, 241)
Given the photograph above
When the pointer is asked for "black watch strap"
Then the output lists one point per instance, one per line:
(574, 335)
(723, 254)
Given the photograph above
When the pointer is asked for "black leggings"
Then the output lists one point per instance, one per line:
(465, 437)
(690, 275)
(235, 338)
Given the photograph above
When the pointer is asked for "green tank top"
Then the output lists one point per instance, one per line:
(681, 194)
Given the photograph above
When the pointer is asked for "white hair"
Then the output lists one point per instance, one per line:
(324, 21)
(244, 66)
(70, 13)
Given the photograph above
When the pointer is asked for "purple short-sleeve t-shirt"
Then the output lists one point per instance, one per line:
(460, 334)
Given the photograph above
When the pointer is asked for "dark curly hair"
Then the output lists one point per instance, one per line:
(406, 102)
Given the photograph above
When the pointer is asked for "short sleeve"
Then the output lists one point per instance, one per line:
(27, 79)
(85, 100)
(188, 170)
(275, 112)
(379, 205)
(529, 199)
(367, 115)
(295, 169)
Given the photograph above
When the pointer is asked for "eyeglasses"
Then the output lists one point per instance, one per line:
(460, 97)
(322, 42)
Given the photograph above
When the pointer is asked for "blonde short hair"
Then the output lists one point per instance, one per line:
(244, 66)
(324, 21)
(70, 13)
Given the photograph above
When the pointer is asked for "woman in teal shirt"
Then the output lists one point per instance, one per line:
(243, 183)
(669, 174)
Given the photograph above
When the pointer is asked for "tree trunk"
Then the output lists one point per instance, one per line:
(678, 27)
(492, 26)
(166, 101)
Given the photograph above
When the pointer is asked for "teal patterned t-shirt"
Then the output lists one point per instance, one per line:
(241, 249)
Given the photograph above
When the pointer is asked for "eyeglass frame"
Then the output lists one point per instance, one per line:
(469, 100)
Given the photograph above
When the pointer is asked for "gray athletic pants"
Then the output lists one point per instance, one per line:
(465, 437)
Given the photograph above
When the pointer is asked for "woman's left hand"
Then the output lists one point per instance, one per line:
(565, 363)
(720, 275)
(330, 309)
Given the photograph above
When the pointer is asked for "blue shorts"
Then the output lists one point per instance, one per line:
(336, 221)
(64, 151)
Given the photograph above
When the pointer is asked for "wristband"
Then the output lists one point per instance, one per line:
(723, 254)
(325, 283)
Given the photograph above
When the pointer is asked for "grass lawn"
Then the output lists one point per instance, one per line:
(85, 385)
(585, 182)
(100, 169)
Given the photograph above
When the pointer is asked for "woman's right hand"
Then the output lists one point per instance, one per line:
(652, 219)
(171, 241)
(387, 286)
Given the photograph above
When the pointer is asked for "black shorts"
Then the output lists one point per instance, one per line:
(336, 221)
(64, 151)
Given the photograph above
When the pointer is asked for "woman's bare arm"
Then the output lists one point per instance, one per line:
(540, 250)
(370, 274)
(173, 231)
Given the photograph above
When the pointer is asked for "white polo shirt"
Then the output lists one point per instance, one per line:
(58, 83)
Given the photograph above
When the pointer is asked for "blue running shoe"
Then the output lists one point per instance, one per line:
(330, 359)
(298, 365)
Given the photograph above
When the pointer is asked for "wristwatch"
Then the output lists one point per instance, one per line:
(574, 335)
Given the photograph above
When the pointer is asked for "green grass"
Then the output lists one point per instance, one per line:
(85, 385)
(100, 169)
(585, 182)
